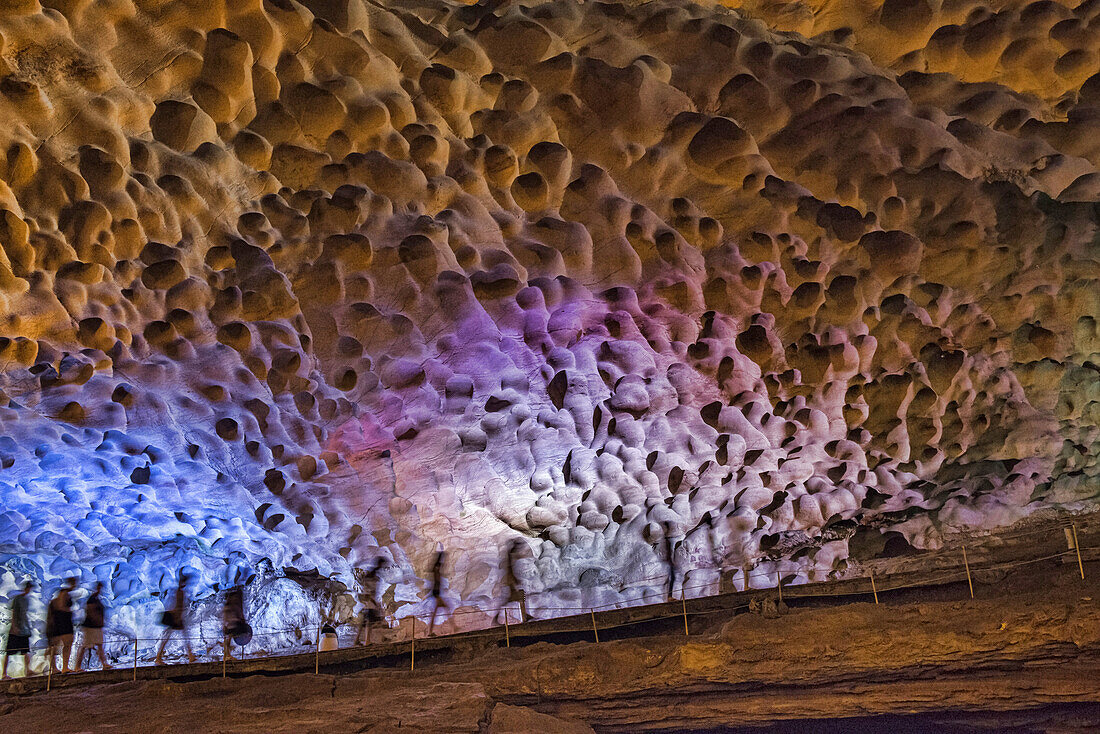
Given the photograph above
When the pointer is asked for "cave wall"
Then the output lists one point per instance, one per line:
(297, 285)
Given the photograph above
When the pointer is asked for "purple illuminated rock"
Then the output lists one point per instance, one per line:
(337, 282)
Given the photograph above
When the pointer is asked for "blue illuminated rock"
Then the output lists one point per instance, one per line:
(337, 283)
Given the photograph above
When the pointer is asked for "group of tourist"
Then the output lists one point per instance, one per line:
(59, 629)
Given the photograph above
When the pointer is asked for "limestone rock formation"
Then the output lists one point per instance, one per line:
(292, 284)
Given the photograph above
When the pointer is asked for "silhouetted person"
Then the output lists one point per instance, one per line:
(59, 626)
(516, 592)
(91, 630)
(706, 526)
(670, 555)
(372, 609)
(437, 587)
(19, 633)
(174, 619)
(706, 523)
(234, 625)
(328, 639)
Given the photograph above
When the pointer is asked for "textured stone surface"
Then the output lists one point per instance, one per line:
(1023, 657)
(292, 285)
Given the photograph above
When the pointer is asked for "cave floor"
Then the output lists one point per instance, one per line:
(1024, 656)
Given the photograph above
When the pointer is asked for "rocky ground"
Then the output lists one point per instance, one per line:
(1022, 657)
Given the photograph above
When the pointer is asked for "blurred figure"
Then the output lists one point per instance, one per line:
(706, 526)
(59, 626)
(235, 627)
(19, 634)
(670, 555)
(174, 619)
(437, 587)
(328, 639)
(517, 549)
(91, 630)
(706, 523)
(372, 609)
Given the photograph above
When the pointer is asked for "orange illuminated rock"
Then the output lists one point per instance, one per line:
(300, 284)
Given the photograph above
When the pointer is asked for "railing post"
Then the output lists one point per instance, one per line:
(135, 656)
(969, 582)
(412, 656)
(1077, 547)
(595, 631)
(507, 636)
(874, 589)
(317, 654)
(683, 603)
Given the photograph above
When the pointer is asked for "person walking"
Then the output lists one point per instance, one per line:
(19, 633)
(59, 626)
(670, 555)
(328, 639)
(517, 549)
(437, 587)
(710, 568)
(175, 620)
(234, 625)
(372, 609)
(91, 630)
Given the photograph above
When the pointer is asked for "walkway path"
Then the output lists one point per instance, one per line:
(933, 575)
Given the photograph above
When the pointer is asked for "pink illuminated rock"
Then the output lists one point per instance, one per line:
(289, 286)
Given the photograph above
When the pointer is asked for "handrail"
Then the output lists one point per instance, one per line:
(641, 613)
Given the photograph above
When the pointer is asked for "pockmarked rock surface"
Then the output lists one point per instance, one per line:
(288, 286)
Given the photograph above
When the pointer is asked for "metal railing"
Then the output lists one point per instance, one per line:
(944, 569)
